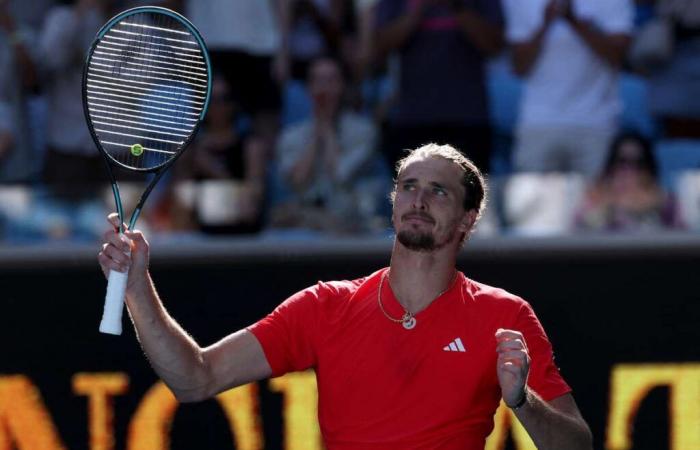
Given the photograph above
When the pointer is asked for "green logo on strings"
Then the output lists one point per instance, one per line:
(137, 149)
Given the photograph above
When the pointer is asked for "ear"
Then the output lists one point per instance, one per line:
(468, 221)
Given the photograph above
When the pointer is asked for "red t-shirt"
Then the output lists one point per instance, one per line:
(384, 387)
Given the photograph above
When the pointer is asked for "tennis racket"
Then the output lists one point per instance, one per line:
(146, 88)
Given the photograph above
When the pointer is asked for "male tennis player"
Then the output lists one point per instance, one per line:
(413, 356)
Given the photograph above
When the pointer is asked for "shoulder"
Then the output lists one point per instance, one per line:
(340, 289)
(493, 299)
(342, 292)
(615, 16)
(484, 293)
(330, 292)
(523, 18)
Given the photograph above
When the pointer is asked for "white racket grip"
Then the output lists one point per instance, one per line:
(114, 303)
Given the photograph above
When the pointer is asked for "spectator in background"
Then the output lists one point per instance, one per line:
(569, 53)
(31, 14)
(225, 161)
(243, 37)
(373, 84)
(18, 80)
(627, 196)
(73, 165)
(312, 28)
(442, 47)
(674, 89)
(322, 160)
(365, 17)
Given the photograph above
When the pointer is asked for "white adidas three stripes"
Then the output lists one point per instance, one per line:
(455, 346)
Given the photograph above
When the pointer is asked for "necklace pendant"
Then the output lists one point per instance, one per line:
(409, 322)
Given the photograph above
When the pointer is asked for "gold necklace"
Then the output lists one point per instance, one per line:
(408, 320)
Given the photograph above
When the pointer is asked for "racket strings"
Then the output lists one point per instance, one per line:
(147, 82)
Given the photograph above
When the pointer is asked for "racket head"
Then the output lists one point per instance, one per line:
(146, 87)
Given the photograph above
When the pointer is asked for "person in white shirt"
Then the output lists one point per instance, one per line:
(244, 41)
(323, 161)
(569, 53)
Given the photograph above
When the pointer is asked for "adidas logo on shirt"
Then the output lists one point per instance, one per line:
(455, 346)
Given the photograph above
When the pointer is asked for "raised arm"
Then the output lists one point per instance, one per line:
(525, 53)
(394, 34)
(192, 373)
(610, 47)
(552, 425)
(484, 34)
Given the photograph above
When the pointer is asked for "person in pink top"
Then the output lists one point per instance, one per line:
(413, 356)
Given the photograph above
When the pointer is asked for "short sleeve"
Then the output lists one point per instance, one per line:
(288, 334)
(544, 377)
(523, 19)
(617, 16)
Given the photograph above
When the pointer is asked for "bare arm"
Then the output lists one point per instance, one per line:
(554, 425)
(486, 36)
(525, 54)
(330, 26)
(191, 372)
(610, 47)
(396, 33)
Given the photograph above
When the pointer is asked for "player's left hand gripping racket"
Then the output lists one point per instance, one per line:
(146, 88)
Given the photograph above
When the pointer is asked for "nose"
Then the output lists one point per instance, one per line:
(419, 200)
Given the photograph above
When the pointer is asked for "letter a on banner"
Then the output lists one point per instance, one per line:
(24, 419)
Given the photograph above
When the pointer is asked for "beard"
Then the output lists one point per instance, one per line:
(417, 241)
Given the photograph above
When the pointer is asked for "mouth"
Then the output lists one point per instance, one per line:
(418, 218)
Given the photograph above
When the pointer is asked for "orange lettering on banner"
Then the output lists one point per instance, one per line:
(151, 424)
(150, 427)
(24, 419)
(503, 422)
(300, 403)
(241, 407)
(99, 388)
(630, 383)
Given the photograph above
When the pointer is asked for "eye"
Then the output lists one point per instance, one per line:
(440, 191)
(408, 186)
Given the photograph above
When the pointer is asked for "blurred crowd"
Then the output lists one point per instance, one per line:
(585, 114)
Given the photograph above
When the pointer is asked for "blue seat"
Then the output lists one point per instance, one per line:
(675, 156)
(636, 114)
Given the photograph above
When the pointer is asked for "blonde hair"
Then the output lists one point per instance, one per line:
(472, 179)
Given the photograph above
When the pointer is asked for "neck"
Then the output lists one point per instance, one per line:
(418, 278)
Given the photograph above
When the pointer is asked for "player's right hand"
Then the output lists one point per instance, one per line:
(127, 252)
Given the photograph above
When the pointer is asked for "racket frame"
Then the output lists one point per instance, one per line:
(117, 281)
(160, 169)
